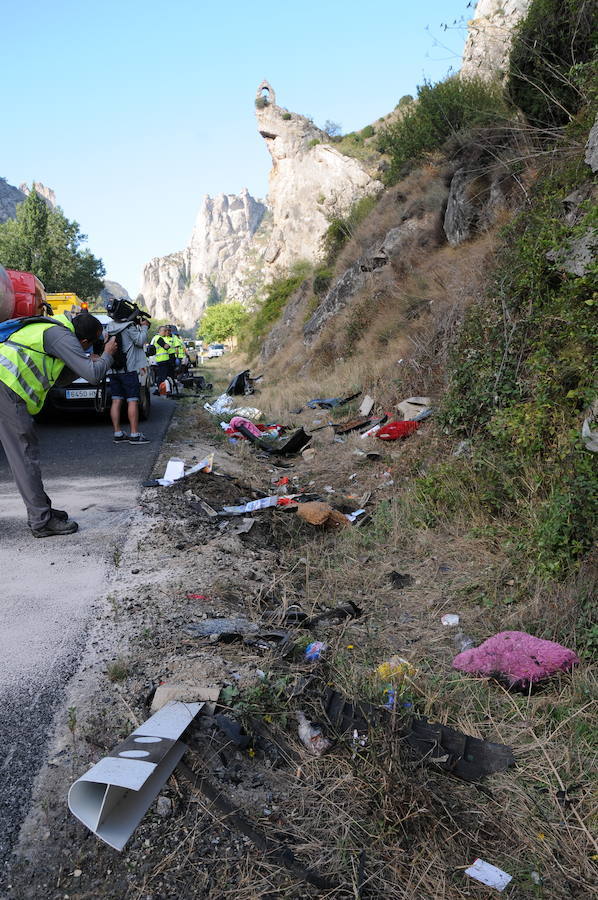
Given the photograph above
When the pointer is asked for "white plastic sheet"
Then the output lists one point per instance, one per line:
(112, 798)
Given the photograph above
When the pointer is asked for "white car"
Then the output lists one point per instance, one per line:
(215, 350)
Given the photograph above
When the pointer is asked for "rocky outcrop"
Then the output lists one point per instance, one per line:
(489, 37)
(591, 156)
(10, 196)
(112, 290)
(396, 248)
(42, 191)
(310, 181)
(221, 260)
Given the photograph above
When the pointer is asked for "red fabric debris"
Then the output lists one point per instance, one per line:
(393, 430)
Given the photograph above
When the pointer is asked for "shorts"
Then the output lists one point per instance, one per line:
(124, 386)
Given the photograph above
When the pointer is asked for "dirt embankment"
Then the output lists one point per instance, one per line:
(369, 819)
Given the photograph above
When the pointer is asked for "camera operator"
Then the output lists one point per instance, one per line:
(129, 327)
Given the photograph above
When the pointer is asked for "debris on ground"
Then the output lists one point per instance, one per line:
(488, 874)
(184, 692)
(315, 650)
(367, 405)
(311, 735)
(517, 658)
(321, 515)
(396, 667)
(331, 402)
(466, 757)
(450, 619)
(222, 629)
(400, 580)
(114, 795)
(413, 407)
(392, 431)
(242, 384)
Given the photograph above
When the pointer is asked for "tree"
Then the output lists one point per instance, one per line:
(331, 128)
(43, 241)
(221, 322)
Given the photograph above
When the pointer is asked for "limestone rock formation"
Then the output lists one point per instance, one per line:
(489, 37)
(10, 196)
(42, 191)
(309, 182)
(591, 156)
(220, 261)
(113, 290)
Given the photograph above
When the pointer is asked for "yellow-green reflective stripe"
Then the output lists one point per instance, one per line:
(12, 367)
(31, 365)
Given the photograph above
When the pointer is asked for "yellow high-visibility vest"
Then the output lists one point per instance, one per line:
(26, 368)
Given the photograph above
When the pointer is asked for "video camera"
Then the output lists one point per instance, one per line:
(125, 311)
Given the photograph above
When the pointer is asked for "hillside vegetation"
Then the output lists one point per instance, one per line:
(473, 280)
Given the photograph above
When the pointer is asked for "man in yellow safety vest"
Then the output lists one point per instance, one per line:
(33, 358)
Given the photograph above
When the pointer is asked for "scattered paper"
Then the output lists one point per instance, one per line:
(488, 874)
(450, 619)
(366, 406)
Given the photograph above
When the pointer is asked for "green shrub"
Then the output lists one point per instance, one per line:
(520, 377)
(314, 143)
(261, 102)
(286, 116)
(367, 132)
(441, 110)
(550, 43)
(277, 294)
(322, 280)
(342, 228)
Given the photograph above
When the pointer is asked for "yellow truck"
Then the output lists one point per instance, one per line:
(65, 302)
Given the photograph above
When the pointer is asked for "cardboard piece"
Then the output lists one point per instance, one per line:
(114, 795)
(366, 406)
(185, 692)
(317, 513)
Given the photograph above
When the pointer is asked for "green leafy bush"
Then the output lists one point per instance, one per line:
(277, 294)
(286, 116)
(520, 378)
(261, 102)
(441, 110)
(550, 43)
(341, 228)
(367, 132)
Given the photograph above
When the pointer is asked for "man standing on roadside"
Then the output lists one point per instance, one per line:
(32, 360)
(124, 378)
(161, 342)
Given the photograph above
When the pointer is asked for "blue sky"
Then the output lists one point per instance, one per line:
(132, 111)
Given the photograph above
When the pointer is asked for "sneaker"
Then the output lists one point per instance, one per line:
(59, 514)
(55, 527)
(138, 439)
(120, 438)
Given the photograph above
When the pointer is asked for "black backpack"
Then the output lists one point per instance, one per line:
(119, 358)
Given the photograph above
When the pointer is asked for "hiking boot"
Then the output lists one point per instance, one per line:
(55, 527)
(138, 439)
(59, 514)
(120, 438)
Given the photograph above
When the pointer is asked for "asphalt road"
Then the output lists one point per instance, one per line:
(49, 586)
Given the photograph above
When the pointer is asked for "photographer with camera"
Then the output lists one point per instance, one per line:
(129, 327)
(36, 353)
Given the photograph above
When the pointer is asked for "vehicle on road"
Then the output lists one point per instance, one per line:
(80, 396)
(215, 350)
(191, 352)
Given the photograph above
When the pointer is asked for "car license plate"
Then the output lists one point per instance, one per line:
(81, 394)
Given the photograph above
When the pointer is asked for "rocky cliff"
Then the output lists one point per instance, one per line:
(489, 37)
(310, 181)
(10, 196)
(219, 261)
(238, 243)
